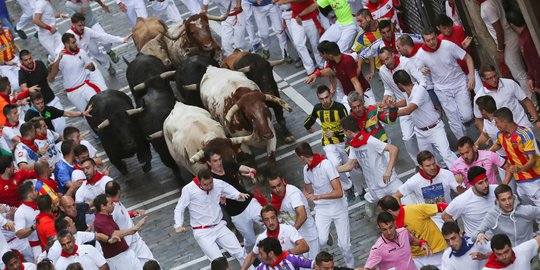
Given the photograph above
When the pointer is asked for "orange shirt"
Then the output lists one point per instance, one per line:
(517, 146)
(7, 52)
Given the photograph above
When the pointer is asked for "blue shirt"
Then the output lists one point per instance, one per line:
(62, 175)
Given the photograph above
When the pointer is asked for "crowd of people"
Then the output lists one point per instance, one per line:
(479, 210)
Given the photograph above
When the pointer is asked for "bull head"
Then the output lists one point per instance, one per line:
(235, 140)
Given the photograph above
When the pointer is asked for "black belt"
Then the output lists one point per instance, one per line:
(429, 127)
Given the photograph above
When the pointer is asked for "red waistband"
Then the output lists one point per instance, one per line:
(204, 227)
(234, 13)
(34, 243)
(95, 87)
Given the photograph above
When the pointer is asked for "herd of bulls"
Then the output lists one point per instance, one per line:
(217, 103)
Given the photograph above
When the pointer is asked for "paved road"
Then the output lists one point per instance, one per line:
(157, 192)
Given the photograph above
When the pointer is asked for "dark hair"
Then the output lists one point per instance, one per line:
(44, 203)
(68, 131)
(204, 174)
(504, 114)
(429, 267)
(515, 17)
(210, 151)
(4, 83)
(474, 172)
(303, 149)
(45, 264)
(8, 256)
(322, 88)
(323, 256)
(60, 224)
(443, 20)
(35, 96)
(465, 140)
(500, 241)
(385, 217)
(405, 40)
(26, 128)
(7, 109)
(390, 50)
(220, 263)
(79, 149)
(450, 227)
(67, 147)
(502, 188)
(41, 167)
(486, 103)
(24, 189)
(77, 17)
(5, 162)
(271, 174)
(74, 266)
(328, 47)
(151, 265)
(364, 12)
(388, 203)
(91, 160)
(112, 188)
(486, 68)
(36, 121)
(269, 208)
(67, 37)
(402, 77)
(350, 123)
(428, 30)
(270, 244)
(423, 156)
(100, 201)
(24, 53)
(384, 23)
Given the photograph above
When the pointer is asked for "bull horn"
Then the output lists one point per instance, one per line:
(244, 69)
(279, 101)
(276, 62)
(134, 111)
(191, 87)
(180, 32)
(104, 124)
(155, 135)
(223, 17)
(197, 157)
(241, 140)
(167, 74)
(139, 87)
(233, 110)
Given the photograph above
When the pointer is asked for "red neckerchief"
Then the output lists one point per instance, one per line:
(68, 52)
(400, 218)
(492, 261)
(30, 144)
(396, 64)
(489, 87)
(22, 266)
(359, 139)
(427, 177)
(317, 159)
(276, 200)
(41, 137)
(391, 44)
(414, 50)
(481, 1)
(273, 234)
(196, 181)
(67, 255)
(96, 178)
(29, 69)
(428, 49)
(361, 119)
(8, 124)
(77, 33)
(279, 259)
(76, 166)
(31, 204)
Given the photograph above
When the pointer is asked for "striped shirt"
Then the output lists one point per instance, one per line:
(370, 121)
(363, 40)
(330, 121)
(385, 9)
(517, 146)
(7, 52)
(289, 262)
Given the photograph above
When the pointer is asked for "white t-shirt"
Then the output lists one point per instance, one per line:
(73, 69)
(445, 72)
(287, 237)
(80, 239)
(464, 262)
(320, 178)
(121, 216)
(390, 87)
(293, 199)
(509, 94)
(425, 114)
(87, 192)
(87, 256)
(11, 132)
(53, 154)
(46, 10)
(524, 254)
(471, 208)
(24, 218)
(492, 11)
(427, 191)
(23, 154)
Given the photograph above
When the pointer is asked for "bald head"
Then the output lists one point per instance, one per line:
(67, 205)
(42, 169)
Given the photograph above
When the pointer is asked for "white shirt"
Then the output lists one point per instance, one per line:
(471, 208)
(287, 237)
(24, 218)
(46, 10)
(435, 191)
(53, 154)
(425, 114)
(508, 94)
(90, 37)
(92, 151)
(374, 162)
(121, 216)
(390, 87)
(4, 247)
(464, 262)
(492, 11)
(80, 238)
(11, 132)
(203, 206)
(23, 154)
(295, 198)
(29, 266)
(374, 49)
(524, 254)
(87, 256)
(88, 192)
(73, 69)
(320, 178)
(445, 72)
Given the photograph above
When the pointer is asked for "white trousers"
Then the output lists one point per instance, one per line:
(434, 259)
(166, 11)
(80, 97)
(12, 73)
(529, 192)
(343, 35)
(27, 16)
(60, 122)
(194, 6)
(251, 26)
(307, 32)
(124, 260)
(50, 42)
(375, 193)
(273, 12)
(209, 239)
(233, 33)
(336, 154)
(436, 137)
(456, 104)
(141, 251)
(244, 223)
(324, 217)
(409, 137)
(97, 78)
(137, 9)
(514, 61)
(95, 52)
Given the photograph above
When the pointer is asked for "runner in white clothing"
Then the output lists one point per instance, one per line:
(94, 183)
(13, 262)
(8, 225)
(76, 68)
(88, 256)
(462, 252)
(506, 257)
(133, 9)
(46, 137)
(45, 20)
(166, 11)
(233, 29)
(25, 216)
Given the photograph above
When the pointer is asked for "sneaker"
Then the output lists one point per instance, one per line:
(255, 47)
(350, 194)
(111, 70)
(287, 59)
(21, 33)
(36, 35)
(330, 240)
(298, 63)
(265, 54)
(113, 56)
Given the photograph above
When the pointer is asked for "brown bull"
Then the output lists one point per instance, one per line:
(145, 30)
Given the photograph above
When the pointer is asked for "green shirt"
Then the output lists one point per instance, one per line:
(341, 9)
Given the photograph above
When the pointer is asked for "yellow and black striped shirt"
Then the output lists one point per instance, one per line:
(330, 121)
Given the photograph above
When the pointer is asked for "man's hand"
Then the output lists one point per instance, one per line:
(311, 130)
(53, 30)
(310, 197)
(90, 66)
(329, 134)
(10, 226)
(466, 42)
(298, 20)
(87, 112)
(530, 85)
(478, 256)
(180, 229)
(388, 100)
(122, 7)
(459, 178)
(311, 78)
(425, 70)
(471, 82)
(43, 150)
(387, 175)
(243, 196)
(76, 184)
(481, 238)
(139, 224)
(126, 38)
(106, 170)
(427, 249)
(114, 239)
(138, 212)
(370, 76)
(500, 57)
(34, 88)
(514, 169)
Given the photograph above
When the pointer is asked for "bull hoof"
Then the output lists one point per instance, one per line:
(289, 139)
(147, 167)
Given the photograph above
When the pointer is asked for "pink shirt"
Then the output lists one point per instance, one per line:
(486, 159)
(386, 254)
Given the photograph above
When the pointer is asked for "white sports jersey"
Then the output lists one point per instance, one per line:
(11, 132)
(320, 178)
(23, 154)
(24, 218)
(425, 114)
(390, 88)
(90, 37)
(121, 216)
(88, 256)
(73, 69)
(375, 47)
(46, 10)
(442, 64)
(293, 199)
(464, 262)
(430, 191)
(53, 154)
(88, 192)
(287, 237)
(80, 239)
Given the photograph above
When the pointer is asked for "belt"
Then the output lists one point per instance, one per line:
(11, 240)
(430, 126)
(204, 227)
(95, 87)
